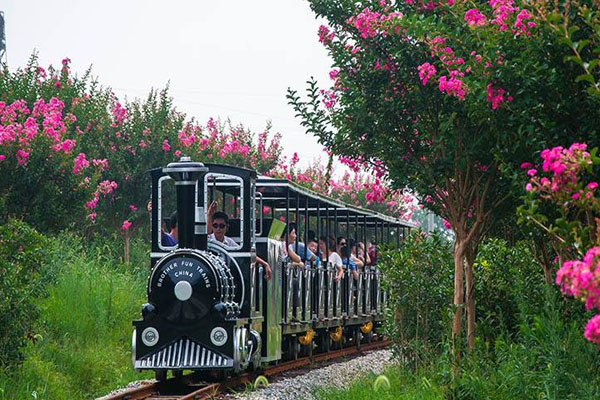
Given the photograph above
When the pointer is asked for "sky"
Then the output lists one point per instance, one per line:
(223, 59)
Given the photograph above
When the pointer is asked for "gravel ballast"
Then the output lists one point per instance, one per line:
(338, 375)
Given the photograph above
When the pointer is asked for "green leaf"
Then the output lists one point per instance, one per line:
(585, 77)
(574, 59)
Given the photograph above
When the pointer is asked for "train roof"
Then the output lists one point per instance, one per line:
(275, 192)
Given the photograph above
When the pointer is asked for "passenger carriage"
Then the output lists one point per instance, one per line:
(209, 306)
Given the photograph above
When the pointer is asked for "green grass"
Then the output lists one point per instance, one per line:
(84, 332)
(404, 385)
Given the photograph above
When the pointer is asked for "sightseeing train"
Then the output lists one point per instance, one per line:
(210, 306)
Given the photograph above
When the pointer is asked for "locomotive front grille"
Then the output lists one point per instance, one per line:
(183, 354)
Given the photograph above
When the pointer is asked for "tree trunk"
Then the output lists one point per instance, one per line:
(470, 299)
(126, 234)
(459, 295)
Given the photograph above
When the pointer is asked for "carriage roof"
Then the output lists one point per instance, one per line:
(277, 192)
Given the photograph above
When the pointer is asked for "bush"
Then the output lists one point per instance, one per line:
(23, 255)
(84, 327)
(547, 358)
(419, 280)
(508, 283)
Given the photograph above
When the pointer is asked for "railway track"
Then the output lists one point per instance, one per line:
(191, 387)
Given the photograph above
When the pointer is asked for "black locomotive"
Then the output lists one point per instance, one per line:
(209, 306)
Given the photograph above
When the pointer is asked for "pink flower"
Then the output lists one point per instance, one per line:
(529, 187)
(426, 71)
(177, 153)
(119, 114)
(22, 157)
(107, 187)
(80, 163)
(475, 18)
(526, 165)
(592, 185)
(453, 86)
(446, 224)
(166, 146)
(324, 35)
(2, 157)
(133, 208)
(126, 225)
(102, 165)
(92, 216)
(57, 84)
(592, 330)
(532, 172)
(92, 203)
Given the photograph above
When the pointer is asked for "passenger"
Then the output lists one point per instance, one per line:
(362, 254)
(341, 242)
(313, 245)
(333, 257)
(304, 252)
(266, 266)
(348, 263)
(372, 252)
(170, 239)
(289, 237)
(217, 226)
(359, 262)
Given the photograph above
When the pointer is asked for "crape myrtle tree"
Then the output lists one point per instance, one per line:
(445, 98)
(72, 156)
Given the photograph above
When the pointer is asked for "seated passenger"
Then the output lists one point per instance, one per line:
(334, 258)
(288, 252)
(372, 252)
(313, 246)
(303, 251)
(358, 261)
(217, 222)
(348, 263)
(170, 239)
(362, 254)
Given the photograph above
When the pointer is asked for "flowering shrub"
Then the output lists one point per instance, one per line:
(563, 199)
(355, 187)
(449, 97)
(70, 151)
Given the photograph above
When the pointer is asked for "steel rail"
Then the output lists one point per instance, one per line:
(171, 388)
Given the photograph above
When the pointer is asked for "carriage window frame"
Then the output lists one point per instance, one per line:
(159, 213)
(217, 175)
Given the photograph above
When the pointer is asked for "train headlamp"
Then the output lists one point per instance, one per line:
(150, 336)
(218, 336)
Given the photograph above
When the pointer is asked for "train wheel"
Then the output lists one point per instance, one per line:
(294, 348)
(357, 337)
(160, 375)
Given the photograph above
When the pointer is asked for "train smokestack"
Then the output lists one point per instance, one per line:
(186, 173)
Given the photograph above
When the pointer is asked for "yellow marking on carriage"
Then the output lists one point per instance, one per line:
(366, 328)
(306, 339)
(336, 335)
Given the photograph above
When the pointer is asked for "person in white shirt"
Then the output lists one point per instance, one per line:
(333, 257)
(217, 227)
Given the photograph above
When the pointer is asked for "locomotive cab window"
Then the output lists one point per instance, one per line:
(224, 199)
(167, 230)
